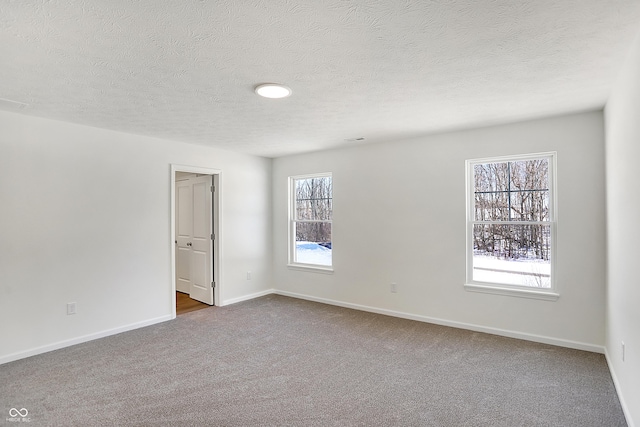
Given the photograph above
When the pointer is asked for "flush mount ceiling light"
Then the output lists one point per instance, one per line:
(273, 90)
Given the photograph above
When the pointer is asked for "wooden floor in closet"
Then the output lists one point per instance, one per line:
(184, 304)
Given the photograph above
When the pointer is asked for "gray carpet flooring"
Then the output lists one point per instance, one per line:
(278, 361)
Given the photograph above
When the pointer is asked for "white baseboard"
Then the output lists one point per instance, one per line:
(420, 318)
(66, 343)
(460, 325)
(616, 383)
(247, 297)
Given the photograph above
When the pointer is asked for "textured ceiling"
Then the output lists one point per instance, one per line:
(383, 70)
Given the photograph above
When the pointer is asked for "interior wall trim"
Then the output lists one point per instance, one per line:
(247, 297)
(78, 340)
(460, 325)
(616, 383)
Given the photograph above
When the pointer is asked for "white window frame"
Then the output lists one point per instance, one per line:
(550, 294)
(293, 264)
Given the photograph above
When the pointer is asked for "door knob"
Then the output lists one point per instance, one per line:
(189, 244)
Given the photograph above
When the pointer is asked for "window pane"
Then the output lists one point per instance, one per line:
(512, 191)
(529, 190)
(530, 174)
(512, 254)
(532, 205)
(491, 191)
(313, 198)
(491, 176)
(313, 243)
(492, 206)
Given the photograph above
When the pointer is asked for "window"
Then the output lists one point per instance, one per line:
(511, 225)
(310, 213)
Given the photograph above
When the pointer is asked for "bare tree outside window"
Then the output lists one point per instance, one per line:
(511, 222)
(311, 219)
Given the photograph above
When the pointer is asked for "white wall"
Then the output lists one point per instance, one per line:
(85, 218)
(622, 115)
(399, 215)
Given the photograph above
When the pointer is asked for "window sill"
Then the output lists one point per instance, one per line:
(522, 293)
(311, 268)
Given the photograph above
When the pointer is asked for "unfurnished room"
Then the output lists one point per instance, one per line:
(335, 213)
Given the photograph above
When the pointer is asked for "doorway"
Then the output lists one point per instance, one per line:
(195, 225)
(184, 304)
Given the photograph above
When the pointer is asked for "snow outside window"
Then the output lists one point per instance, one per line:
(310, 213)
(511, 225)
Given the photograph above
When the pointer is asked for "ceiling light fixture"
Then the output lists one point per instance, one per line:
(273, 90)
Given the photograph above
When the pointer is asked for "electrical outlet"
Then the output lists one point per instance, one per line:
(394, 288)
(71, 308)
(248, 275)
(623, 351)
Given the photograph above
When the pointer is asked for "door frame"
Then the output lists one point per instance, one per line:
(217, 230)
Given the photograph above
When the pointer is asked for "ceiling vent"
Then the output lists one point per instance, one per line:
(7, 104)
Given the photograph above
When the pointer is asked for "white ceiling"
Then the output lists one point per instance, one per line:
(379, 69)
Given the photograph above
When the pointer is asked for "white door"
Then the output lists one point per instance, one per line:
(194, 244)
(184, 230)
(202, 240)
